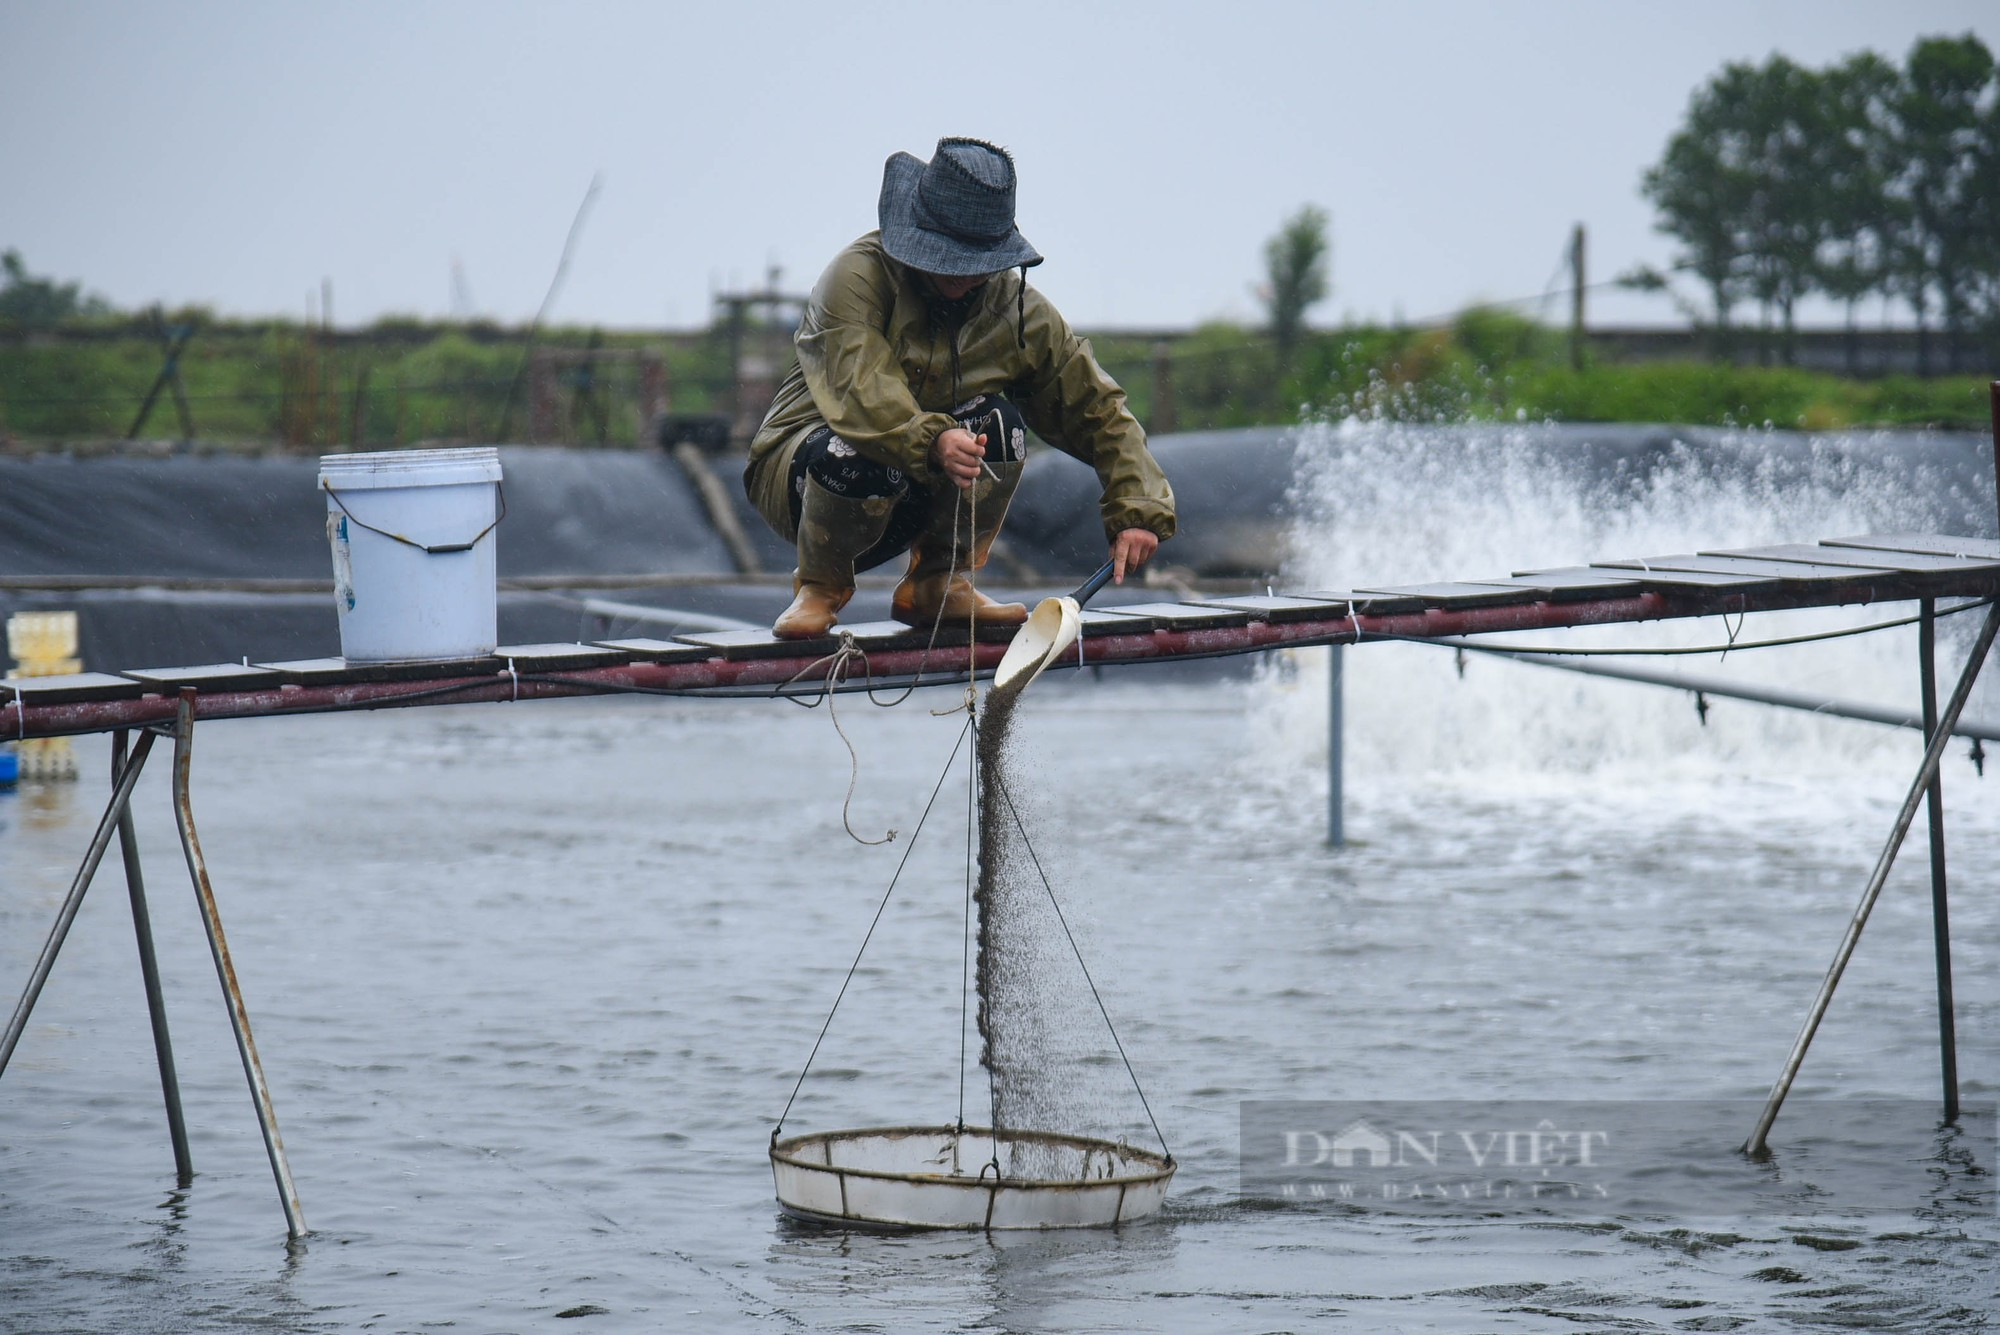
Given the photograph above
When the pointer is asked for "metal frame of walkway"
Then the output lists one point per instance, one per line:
(139, 705)
(1863, 569)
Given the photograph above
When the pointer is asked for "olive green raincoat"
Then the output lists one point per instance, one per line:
(873, 368)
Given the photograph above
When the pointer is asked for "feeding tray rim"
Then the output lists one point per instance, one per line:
(901, 1192)
(1163, 1165)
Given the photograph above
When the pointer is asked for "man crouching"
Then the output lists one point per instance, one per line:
(924, 360)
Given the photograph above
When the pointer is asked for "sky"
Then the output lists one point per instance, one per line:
(239, 155)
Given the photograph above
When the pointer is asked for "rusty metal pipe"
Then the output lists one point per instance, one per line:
(149, 973)
(1933, 755)
(944, 665)
(225, 969)
(121, 795)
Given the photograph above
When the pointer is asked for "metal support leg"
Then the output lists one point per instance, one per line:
(1336, 759)
(120, 796)
(149, 971)
(1933, 754)
(1940, 911)
(225, 970)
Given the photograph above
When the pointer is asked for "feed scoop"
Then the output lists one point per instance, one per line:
(1050, 629)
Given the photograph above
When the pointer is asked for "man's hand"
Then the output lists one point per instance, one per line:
(958, 454)
(1132, 549)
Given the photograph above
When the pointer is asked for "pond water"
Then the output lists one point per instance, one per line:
(531, 984)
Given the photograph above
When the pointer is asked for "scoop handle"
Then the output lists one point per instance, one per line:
(1088, 589)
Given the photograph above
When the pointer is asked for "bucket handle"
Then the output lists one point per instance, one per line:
(428, 549)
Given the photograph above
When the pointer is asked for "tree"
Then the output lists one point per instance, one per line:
(1859, 178)
(1295, 263)
(40, 302)
(1856, 160)
(1985, 257)
(1777, 147)
(1742, 185)
(1702, 193)
(1946, 102)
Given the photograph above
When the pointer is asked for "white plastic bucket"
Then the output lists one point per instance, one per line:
(412, 533)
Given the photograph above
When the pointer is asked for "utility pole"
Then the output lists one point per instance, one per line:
(757, 327)
(1576, 285)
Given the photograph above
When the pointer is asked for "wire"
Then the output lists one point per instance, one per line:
(1008, 798)
(871, 683)
(248, 396)
(1437, 321)
(873, 923)
(965, 935)
(836, 673)
(1665, 651)
(1643, 651)
(804, 694)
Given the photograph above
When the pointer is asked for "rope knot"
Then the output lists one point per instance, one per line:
(846, 652)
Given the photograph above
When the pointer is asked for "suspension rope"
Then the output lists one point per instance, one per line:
(952, 569)
(992, 1076)
(874, 922)
(1013, 811)
(839, 664)
(971, 495)
(965, 935)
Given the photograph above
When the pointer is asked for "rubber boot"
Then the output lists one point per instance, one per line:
(938, 585)
(833, 531)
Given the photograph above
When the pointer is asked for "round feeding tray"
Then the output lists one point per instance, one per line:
(944, 1177)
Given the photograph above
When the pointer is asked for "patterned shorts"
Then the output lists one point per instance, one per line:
(845, 471)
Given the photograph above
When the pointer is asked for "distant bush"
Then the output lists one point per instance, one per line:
(408, 381)
(41, 303)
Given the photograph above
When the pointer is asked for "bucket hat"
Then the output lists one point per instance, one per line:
(953, 215)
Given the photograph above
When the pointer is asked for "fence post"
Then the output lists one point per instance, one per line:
(1162, 413)
(1578, 335)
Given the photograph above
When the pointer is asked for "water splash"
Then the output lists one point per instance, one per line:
(1381, 503)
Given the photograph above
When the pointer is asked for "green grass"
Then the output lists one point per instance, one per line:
(265, 384)
(1491, 366)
